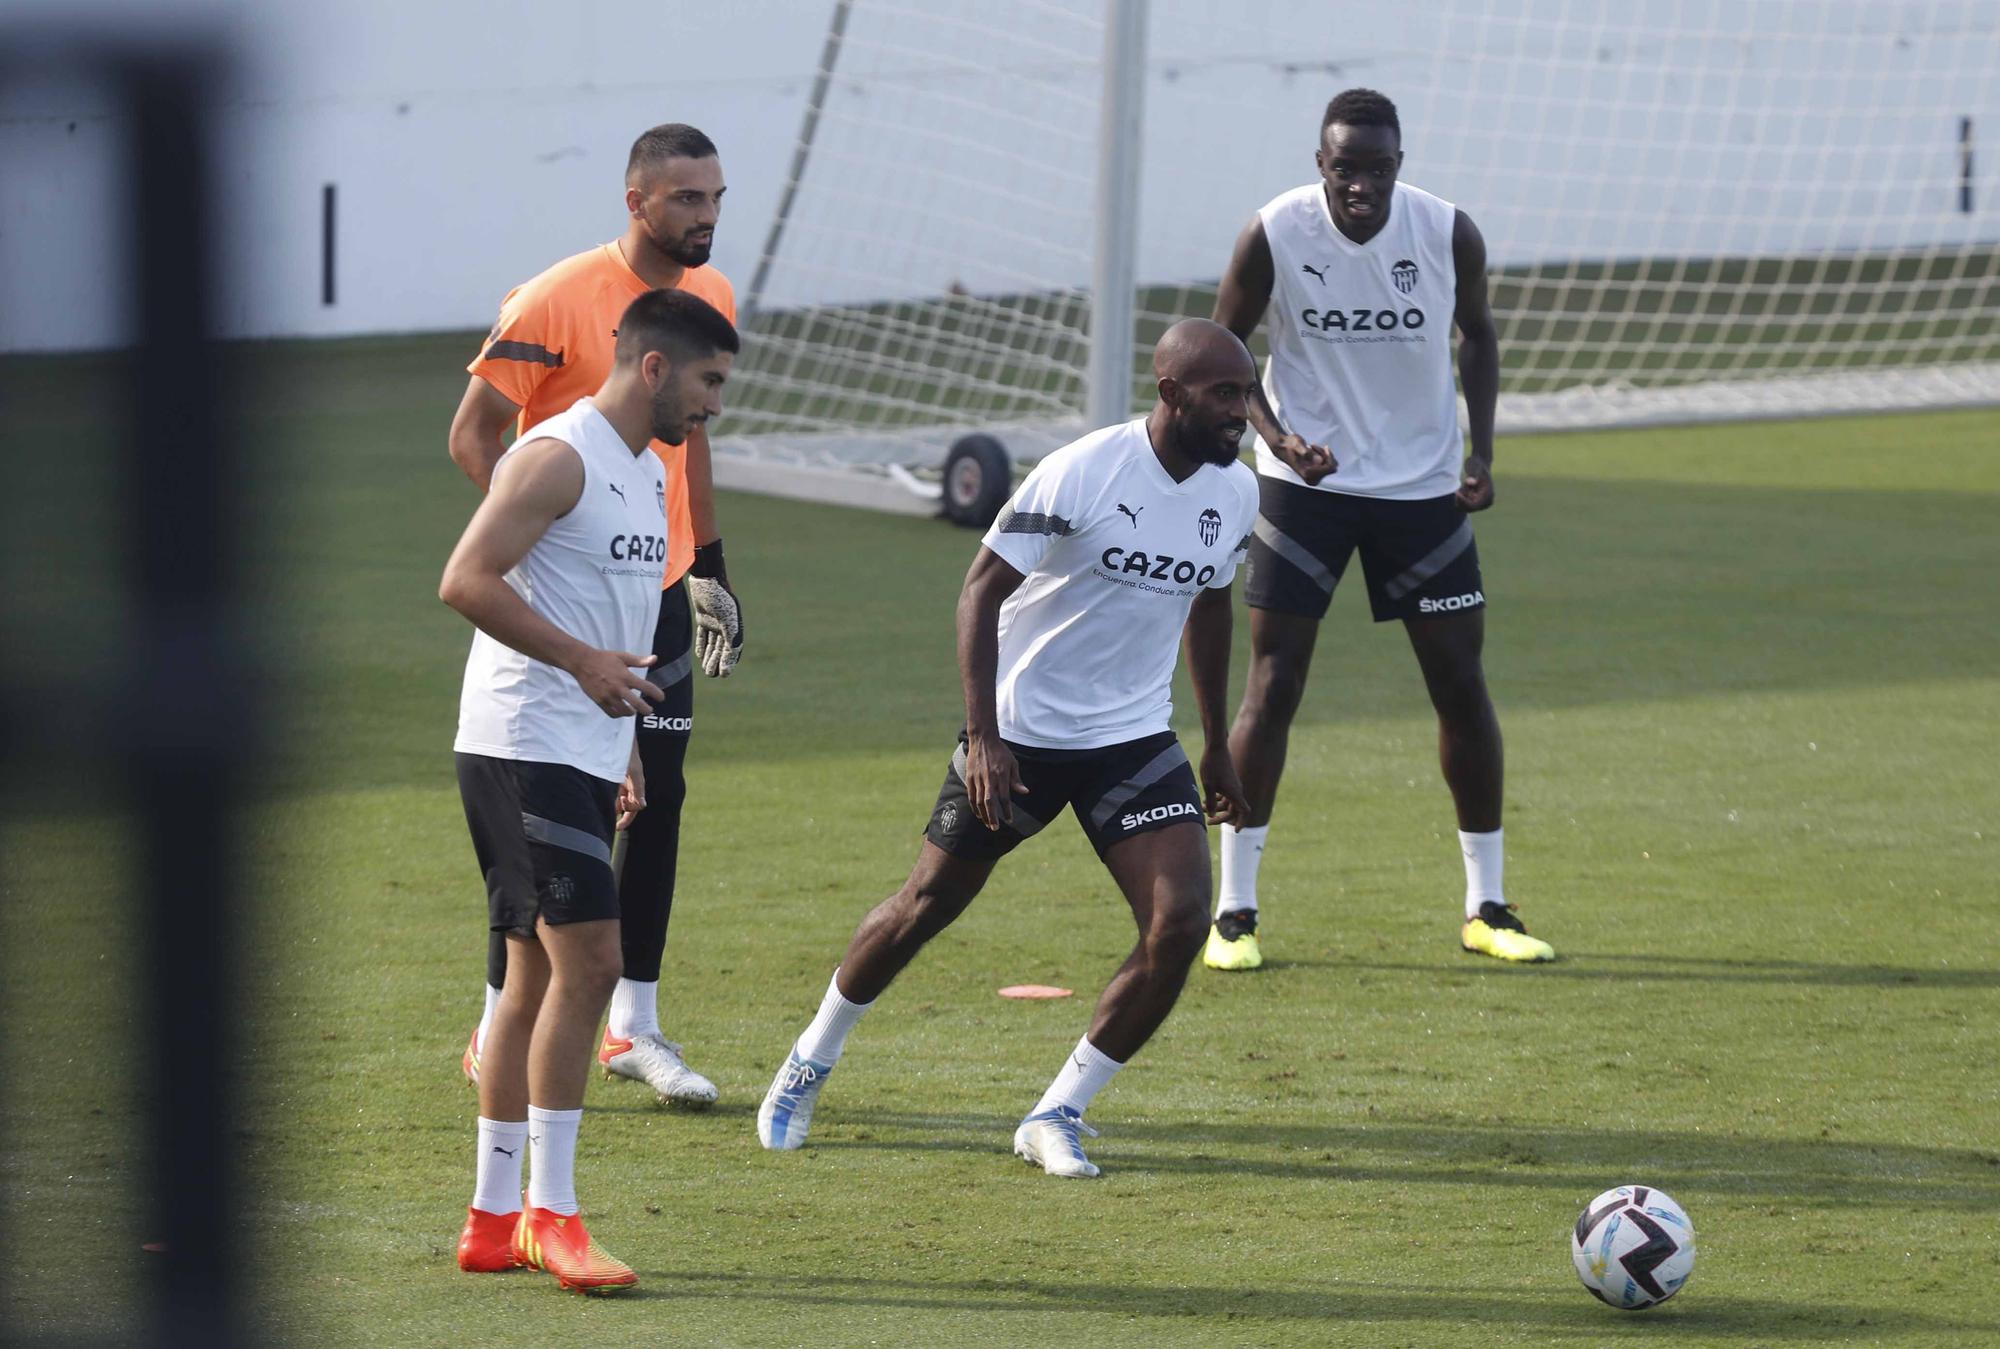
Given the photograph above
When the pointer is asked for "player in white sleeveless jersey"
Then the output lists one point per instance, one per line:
(1362, 279)
(1118, 548)
(560, 571)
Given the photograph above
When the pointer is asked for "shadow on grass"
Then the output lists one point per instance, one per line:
(1798, 1172)
(1748, 1318)
(1696, 969)
(643, 1102)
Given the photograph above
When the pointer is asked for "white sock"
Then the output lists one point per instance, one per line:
(486, 1017)
(498, 1189)
(1083, 1075)
(635, 1009)
(1242, 850)
(1482, 869)
(827, 1036)
(552, 1158)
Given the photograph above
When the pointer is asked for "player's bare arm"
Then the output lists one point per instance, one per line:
(992, 778)
(1205, 647)
(478, 435)
(632, 791)
(701, 488)
(538, 486)
(1478, 360)
(1240, 302)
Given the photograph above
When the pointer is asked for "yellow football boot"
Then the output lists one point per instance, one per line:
(1232, 942)
(1499, 932)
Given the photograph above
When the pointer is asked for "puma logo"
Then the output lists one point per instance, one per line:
(506, 1152)
(1319, 273)
(1124, 509)
(619, 490)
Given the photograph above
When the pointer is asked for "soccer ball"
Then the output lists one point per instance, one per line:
(1633, 1247)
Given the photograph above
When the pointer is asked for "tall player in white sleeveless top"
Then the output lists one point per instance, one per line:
(560, 571)
(1359, 450)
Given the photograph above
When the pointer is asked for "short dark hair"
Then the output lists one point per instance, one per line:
(683, 326)
(669, 140)
(1361, 107)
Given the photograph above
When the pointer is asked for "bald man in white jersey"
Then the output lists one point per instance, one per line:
(1359, 450)
(560, 572)
(1119, 548)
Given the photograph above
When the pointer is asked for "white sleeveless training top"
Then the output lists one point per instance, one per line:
(1114, 552)
(1361, 338)
(596, 575)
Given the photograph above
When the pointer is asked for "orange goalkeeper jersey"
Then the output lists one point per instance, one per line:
(553, 345)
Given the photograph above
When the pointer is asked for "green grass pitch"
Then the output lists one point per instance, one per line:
(1750, 680)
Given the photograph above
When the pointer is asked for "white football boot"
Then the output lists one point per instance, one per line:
(787, 1111)
(1049, 1140)
(656, 1061)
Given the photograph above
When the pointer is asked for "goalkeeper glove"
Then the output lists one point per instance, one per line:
(718, 618)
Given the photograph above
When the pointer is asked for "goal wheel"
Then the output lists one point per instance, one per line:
(977, 481)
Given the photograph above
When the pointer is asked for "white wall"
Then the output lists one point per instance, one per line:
(1600, 128)
(472, 144)
(475, 141)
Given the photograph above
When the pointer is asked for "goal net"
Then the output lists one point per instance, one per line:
(1694, 209)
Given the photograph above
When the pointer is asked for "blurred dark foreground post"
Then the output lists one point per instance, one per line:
(174, 722)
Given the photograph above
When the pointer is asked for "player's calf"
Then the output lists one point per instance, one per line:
(1175, 938)
(892, 933)
(939, 889)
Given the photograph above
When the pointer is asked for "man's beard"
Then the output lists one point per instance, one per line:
(690, 255)
(669, 422)
(681, 251)
(1202, 444)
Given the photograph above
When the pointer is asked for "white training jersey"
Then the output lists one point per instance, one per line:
(1114, 551)
(1361, 344)
(596, 574)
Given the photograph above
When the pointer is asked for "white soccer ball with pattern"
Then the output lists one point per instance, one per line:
(1633, 1247)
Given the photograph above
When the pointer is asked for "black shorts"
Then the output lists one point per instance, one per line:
(673, 667)
(542, 832)
(1418, 557)
(1117, 792)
